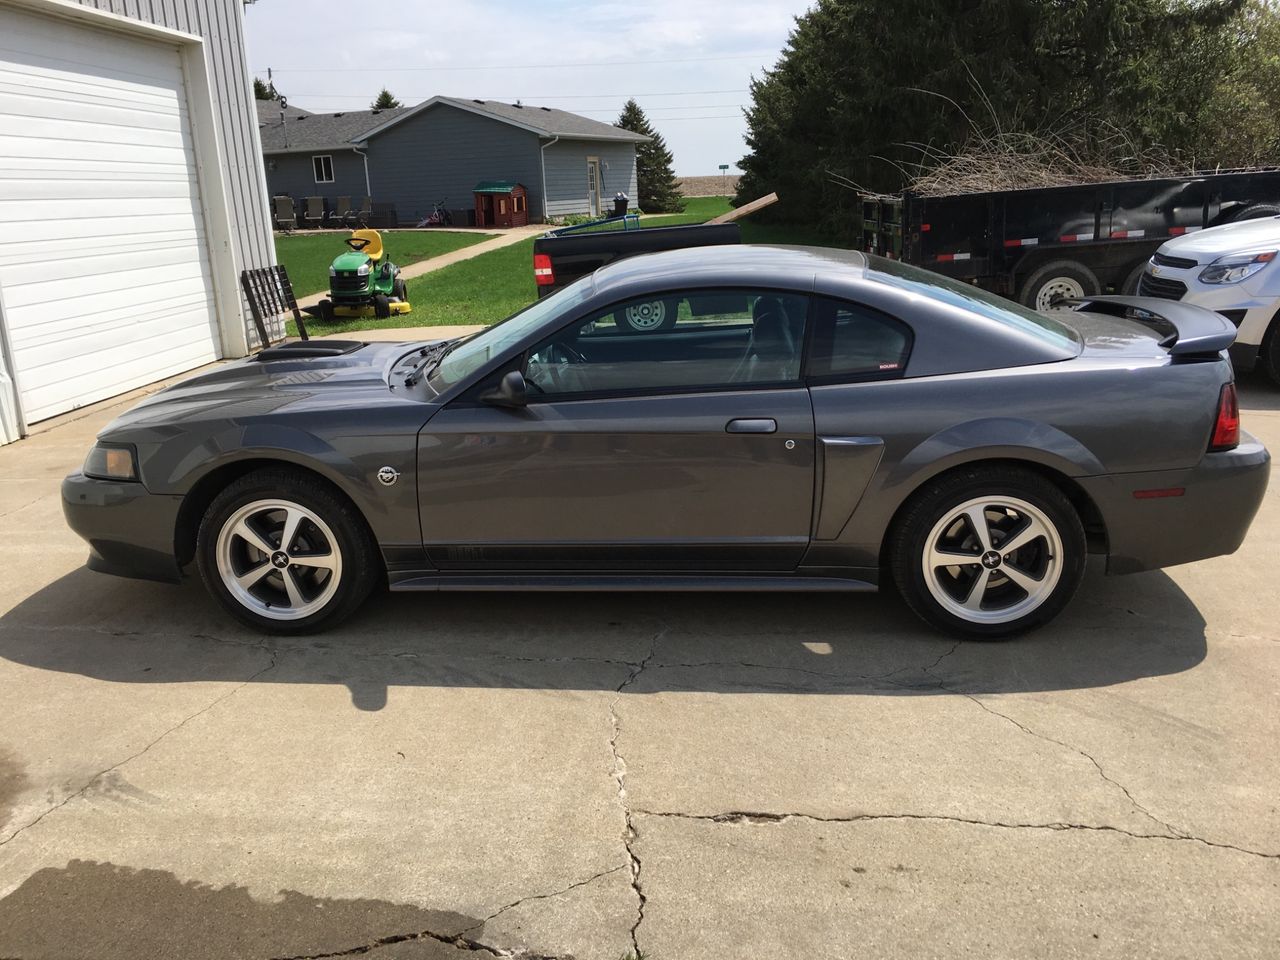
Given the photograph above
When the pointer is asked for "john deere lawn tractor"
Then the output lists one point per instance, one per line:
(363, 282)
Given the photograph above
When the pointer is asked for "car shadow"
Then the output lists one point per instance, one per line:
(1257, 392)
(1117, 629)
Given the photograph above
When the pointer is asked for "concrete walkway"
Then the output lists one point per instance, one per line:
(496, 242)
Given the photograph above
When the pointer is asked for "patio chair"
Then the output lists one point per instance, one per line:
(314, 212)
(363, 215)
(285, 216)
(344, 214)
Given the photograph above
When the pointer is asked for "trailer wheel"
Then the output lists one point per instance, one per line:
(1055, 281)
(1254, 211)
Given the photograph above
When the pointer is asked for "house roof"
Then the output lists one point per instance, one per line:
(342, 131)
(495, 186)
(322, 131)
(270, 110)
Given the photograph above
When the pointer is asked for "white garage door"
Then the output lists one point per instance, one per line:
(104, 270)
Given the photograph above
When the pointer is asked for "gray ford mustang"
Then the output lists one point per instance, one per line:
(801, 419)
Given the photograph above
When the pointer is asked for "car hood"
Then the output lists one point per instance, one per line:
(1207, 245)
(256, 387)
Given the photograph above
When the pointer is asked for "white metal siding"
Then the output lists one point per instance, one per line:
(103, 261)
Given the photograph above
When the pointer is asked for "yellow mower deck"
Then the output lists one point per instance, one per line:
(396, 307)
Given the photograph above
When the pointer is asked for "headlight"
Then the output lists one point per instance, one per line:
(1237, 267)
(333, 272)
(111, 461)
(363, 271)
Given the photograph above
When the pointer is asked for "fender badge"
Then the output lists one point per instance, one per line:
(388, 475)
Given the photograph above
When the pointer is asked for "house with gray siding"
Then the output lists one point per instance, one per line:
(135, 194)
(436, 152)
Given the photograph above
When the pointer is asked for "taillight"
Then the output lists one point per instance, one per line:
(543, 275)
(1226, 431)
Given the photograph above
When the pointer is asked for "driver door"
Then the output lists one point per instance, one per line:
(690, 446)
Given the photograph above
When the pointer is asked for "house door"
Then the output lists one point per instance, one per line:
(593, 185)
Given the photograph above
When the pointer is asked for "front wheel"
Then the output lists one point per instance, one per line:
(381, 306)
(285, 553)
(988, 552)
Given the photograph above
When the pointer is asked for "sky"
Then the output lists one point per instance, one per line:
(687, 62)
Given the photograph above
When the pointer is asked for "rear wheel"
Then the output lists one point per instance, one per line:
(647, 317)
(988, 552)
(1063, 279)
(1256, 210)
(283, 552)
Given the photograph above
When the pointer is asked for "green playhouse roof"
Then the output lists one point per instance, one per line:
(495, 186)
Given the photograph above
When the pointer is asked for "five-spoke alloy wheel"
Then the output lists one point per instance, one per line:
(285, 552)
(988, 552)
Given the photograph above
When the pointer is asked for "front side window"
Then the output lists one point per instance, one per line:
(854, 342)
(323, 168)
(699, 340)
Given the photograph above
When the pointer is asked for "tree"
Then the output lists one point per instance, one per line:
(264, 90)
(384, 101)
(859, 98)
(655, 180)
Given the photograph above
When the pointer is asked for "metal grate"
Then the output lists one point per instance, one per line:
(348, 282)
(270, 294)
(1162, 287)
(1182, 263)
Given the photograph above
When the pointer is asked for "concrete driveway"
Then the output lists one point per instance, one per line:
(687, 776)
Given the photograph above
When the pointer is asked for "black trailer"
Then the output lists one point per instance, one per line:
(1038, 245)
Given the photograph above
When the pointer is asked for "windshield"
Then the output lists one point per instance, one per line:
(974, 299)
(468, 356)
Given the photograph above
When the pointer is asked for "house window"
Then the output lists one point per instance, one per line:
(502, 206)
(517, 203)
(323, 168)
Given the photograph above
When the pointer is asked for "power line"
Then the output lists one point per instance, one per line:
(524, 66)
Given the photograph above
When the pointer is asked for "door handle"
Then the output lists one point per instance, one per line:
(751, 426)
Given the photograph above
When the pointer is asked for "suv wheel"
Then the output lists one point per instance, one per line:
(988, 552)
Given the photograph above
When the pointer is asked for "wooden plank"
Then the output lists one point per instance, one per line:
(747, 208)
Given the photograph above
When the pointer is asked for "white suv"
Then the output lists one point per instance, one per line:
(1231, 269)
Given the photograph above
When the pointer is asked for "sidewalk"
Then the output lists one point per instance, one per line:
(498, 240)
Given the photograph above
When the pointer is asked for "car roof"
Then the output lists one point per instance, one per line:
(772, 265)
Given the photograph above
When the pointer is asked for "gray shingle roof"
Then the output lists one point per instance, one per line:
(546, 120)
(302, 131)
(322, 131)
(269, 111)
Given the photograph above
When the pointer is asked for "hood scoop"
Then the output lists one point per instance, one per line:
(302, 349)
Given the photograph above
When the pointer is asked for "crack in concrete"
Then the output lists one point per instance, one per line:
(763, 817)
(620, 776)
(459, 941)
(545, 896)
(32, 503)
(942, 684)
(133, 756)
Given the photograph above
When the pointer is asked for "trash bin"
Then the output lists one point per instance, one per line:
(620, 205)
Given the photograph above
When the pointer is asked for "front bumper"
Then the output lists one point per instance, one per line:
(130, 531)
(1210, 519)
(1244, 304)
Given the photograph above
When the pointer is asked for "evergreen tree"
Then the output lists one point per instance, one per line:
(655, 180)
(264, 90)
(856, 95)
(384, 101)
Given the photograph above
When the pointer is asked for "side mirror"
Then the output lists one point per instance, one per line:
(511, 392)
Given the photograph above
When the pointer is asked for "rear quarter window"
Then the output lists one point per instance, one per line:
(855, 342)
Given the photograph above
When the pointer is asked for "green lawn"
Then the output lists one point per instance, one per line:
(494, 285)
(307, 257)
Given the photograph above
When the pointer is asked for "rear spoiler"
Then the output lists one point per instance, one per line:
(1187, 330)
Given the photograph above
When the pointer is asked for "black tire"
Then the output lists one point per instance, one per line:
(1061, 273)
(1130, 287)
(1269, 352)
(648, 317)
(326, 311)
(381, 306)
(1255, 211)
(360, 563)
(930, 508)
(400, 289)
